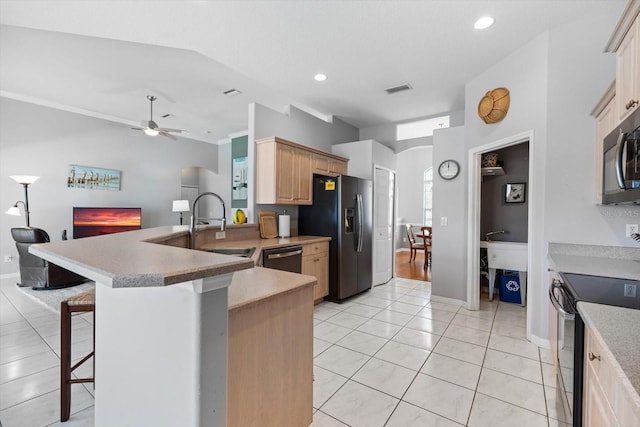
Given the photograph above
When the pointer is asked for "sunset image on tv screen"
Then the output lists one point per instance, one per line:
(96, 221)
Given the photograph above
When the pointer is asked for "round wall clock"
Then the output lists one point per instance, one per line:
(448, 169)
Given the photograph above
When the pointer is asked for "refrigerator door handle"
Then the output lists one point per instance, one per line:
(360, 221)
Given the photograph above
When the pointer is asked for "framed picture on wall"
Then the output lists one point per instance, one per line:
(515, 192)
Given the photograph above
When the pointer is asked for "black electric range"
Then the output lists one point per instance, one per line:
(564, 295)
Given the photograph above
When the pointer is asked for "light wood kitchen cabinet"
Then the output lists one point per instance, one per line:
(625, 41)
(606, 400)
(293, 176)
(315, 262)
(284, 171)
(270, 373)
(328, 165)
(337, 167)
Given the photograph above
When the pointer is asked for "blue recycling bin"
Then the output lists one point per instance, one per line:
(510, 287)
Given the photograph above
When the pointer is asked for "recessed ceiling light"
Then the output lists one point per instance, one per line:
(320, 77)
(484, 22)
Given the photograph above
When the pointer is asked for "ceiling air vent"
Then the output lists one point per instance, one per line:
(399, 88)
(232, 92)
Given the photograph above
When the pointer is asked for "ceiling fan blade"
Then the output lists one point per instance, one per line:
(168, 135)
(170, 130)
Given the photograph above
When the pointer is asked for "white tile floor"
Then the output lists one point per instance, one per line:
(390, 357)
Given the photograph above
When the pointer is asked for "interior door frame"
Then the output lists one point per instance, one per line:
(393, 217)
(473, 217)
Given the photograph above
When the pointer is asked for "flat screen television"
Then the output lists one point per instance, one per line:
(97, 221)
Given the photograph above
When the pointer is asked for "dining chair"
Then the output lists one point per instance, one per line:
(426, 233)
(413, 244)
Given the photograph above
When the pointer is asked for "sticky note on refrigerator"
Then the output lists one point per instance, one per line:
(330, 185)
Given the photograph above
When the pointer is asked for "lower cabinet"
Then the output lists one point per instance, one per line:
(606, 401)
(270, 374)
(315, 262)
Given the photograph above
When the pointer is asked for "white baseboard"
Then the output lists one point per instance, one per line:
(541, 342)
(448, 300)
(9, 275)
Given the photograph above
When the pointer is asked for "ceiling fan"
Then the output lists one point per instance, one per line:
(150, 128)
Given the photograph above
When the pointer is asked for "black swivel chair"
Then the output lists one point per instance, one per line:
(35, 271)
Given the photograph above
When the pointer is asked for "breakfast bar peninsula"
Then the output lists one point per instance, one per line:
(170, 319)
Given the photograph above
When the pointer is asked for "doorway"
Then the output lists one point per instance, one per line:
(384, 183)
(474, 215)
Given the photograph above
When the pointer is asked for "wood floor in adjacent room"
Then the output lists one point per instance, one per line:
(411, 270)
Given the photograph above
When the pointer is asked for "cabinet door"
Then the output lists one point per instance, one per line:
(322, 274)
(628, 72)
(315, 262)
(310, 268)
(285, 174)
(337, 167)
(597, 412)
(320, 164)
(302, 178)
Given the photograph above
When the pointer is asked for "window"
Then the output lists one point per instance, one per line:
(420, 128)
(426, 203)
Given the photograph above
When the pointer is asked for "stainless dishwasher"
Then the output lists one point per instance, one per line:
(288, 258)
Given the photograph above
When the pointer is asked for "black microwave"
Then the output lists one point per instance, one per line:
(621, 163)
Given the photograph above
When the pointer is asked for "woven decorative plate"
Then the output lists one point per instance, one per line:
(494, 105)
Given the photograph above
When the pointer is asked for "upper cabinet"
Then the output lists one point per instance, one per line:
(625, 41)
(325, 164)
(628, 72)
(284, 171)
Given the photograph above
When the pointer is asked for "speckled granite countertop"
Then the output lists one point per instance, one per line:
(607, 261)
(619, 329)
(244, 290)
(127, 260)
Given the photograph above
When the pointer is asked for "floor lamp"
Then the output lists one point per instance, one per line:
(25, 181)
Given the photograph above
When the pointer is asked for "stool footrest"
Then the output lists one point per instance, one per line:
(81, 380)
(84, 359)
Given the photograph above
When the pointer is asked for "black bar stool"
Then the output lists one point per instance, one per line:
(83, 302)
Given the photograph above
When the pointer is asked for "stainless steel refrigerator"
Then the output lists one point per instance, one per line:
(343, 210)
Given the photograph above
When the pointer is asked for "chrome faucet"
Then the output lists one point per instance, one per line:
(491, 233)
(194, 218)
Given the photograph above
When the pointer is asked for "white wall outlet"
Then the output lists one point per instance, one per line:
(631, 229)
(221, 234)
(8, 258)
(444, 221)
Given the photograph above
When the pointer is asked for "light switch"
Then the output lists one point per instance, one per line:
(444, 221)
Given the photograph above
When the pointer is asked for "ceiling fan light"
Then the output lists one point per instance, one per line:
(150, 132)
(484, 22)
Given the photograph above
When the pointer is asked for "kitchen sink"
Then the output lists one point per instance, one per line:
(507, 256)
(239, 252)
